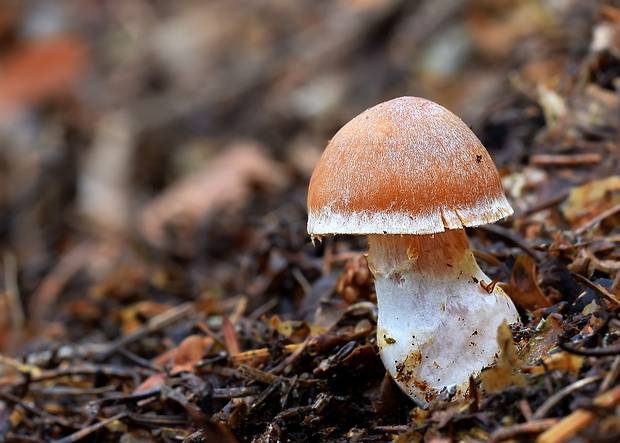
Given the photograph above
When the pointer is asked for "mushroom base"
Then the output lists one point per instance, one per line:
(437, 324)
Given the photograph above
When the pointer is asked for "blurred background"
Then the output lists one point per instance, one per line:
(155, 151)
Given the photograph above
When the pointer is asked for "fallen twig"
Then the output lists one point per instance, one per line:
(556, 398)
(530, 427)
(158, 322)
(577, 420)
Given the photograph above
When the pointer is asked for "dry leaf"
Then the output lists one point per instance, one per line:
(594, 109)
(586, 263)
(561, 361)
(543, 341)
(106, 173)
(506, 371)
(587, 201)
(182, 358)
(151, 382)
(187, 354)
(524, 291)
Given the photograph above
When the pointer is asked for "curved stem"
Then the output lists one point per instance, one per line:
(437, 325)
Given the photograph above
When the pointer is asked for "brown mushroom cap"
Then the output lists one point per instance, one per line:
(406, 166)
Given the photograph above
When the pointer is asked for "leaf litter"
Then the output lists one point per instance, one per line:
(158, 282)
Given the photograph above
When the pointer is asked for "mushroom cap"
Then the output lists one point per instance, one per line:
(406, 166)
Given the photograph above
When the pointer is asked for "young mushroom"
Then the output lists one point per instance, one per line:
(411, 175)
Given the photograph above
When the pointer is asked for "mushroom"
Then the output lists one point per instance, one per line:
(411, 175)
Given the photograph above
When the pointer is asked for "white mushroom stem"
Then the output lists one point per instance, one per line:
(437, 323)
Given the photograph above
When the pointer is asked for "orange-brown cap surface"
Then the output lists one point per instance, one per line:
(406, 166)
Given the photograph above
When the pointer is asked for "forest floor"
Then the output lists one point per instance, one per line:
(158, 282)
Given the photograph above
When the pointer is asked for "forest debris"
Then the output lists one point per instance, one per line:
(106, 174)
(285, 77)
(565, 159)
(588, 201)
(579, 419)
(594, 110)
(611, 376)
(514, 239)
(543, 340)
(518, 184)
(261, 353)
(251, 373)
(592, 352)
(598, 219)
(196, 29)
(214, 430)
(230, 337)
(186, 355)
(172, 315)
(540, 71)
(13, 314)
(604, 35)
(506, 371)
(39, 70)
(31, 408)
(356, 282)
(586, 263)
(553, 104)
(561, 361)
(556, 398)
(8, 365)
(133, 316)
(494, 30)
(524, 289)
(296, 328)
(53, 284)
(224, 184)
(596, 287)
(522, 429)
(346, 357)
